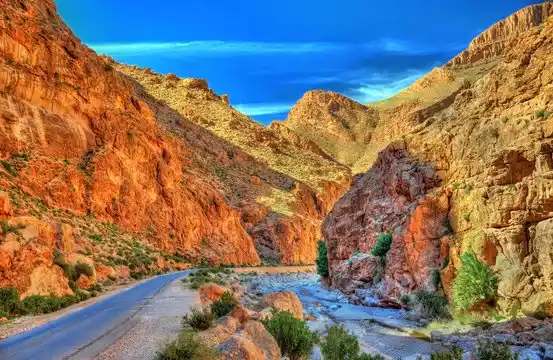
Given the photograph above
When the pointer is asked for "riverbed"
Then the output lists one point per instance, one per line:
(379, 330)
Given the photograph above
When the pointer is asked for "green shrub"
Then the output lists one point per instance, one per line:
(455, 353)
(405, 300)
(432, 305)
(9, 301)
(84, 269)
(8, 167)
(292, 335)
(436, 278)
(322, 259)
(491, 350)
(365, 356)
(542, 114)
(7, 228)
(475, 282)
(199, 319)
(224, 305)
(383, 244)
(188, 346)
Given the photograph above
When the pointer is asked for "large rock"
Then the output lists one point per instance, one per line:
(285, 301)
(256, 332)
(240, 348)
(211, 292)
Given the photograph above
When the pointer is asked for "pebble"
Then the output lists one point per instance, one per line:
(505, 339)
(529, 354)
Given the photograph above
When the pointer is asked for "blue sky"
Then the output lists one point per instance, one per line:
(265, 55)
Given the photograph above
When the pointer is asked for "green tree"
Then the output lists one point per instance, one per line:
(322, 259)
(292, 335)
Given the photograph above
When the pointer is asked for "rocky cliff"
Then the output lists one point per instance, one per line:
(138, 184)
(492, 42)
(471, 170)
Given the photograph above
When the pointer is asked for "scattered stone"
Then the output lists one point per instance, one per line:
(505, 339)
(211, 292)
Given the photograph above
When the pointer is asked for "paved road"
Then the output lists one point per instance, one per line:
(85, 333)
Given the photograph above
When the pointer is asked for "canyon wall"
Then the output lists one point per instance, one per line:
(473, 172)
(85, 149)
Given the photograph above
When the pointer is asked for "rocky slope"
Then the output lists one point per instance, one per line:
(284, 184)
(87, 151)
(471, 169)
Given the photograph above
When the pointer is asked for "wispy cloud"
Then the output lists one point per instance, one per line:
(210, 47)
(370, 92)
(258, 109)
(215, 47)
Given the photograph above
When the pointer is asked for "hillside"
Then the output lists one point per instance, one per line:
(468, 167)
(97, 170)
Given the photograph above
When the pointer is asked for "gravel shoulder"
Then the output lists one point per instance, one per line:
(158, 323)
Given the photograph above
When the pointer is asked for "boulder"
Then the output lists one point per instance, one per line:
(285, 301)
(224, 328)
(256, 333)
(240, 348)
(211, 292)
(241, 313)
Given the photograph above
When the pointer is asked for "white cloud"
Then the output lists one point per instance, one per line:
(257, 109)
(379, 91)
(209, 47)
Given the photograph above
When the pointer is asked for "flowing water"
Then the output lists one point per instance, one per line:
(379, 330)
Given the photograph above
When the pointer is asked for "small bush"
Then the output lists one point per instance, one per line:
(365, 356)
(405, 300)
(292, 335)
(8, 167)
(199, 319)
(322, 259)
(188, 346)
(432, 305)
(542, 114)
(7, 228)
(9, 301)
(436, 278)
(224, 305)
(383, 244)
(84, 269)
(475, 282)
(108, 67)
(491, 350)
(456, 353)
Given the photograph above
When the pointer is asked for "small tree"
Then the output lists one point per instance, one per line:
(339, 344)
(383, 244)
(322, 259)
(474, 283)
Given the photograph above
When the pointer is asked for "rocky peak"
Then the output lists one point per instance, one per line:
(334, 122)
(492, 42)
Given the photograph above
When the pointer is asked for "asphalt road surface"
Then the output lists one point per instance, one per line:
(87, 332)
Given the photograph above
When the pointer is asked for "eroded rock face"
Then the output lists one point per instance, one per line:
(393, 197)
(480, 161)
(492, 42)
(61, 101)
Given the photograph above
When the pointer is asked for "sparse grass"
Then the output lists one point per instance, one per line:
(455, 353)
